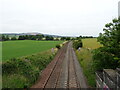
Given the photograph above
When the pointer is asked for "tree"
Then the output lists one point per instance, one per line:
(49, 38)
(77, 43)
(79, 37)
(57, 39)
(63, 38)
(13, 38)
(39, 37)
(67, 38)
(108, 56)
(21, 38)
(3, 38)
(7, 38)
(26, 37)
(33, 37)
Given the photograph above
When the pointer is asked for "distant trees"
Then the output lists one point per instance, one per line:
(63, 38)
(82, 37)
(39, 37)
(21, 38)
(77, 43)
(66, 38)
(31, 37)
(5, 38)
(49, 38)
(13, 38)
(108, 56)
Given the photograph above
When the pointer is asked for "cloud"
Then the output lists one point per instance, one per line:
(64, 17)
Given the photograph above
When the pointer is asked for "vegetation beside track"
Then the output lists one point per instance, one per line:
(23, 72)
(85, 59)
(105, 57)
(24, 60)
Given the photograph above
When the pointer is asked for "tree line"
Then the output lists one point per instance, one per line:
(33, 37)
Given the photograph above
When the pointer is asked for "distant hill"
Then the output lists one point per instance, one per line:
(21, 33)
(30, 33)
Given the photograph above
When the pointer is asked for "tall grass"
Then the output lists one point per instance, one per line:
(85, 59)
(23, 72)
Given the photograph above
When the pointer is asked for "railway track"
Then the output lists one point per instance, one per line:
(63, 72)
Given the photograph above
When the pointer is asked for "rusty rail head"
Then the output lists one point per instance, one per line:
(49, 69)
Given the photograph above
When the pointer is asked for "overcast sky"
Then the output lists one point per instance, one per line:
(59, 17)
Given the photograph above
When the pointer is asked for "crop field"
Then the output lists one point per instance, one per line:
(91, 43)
(13, 49)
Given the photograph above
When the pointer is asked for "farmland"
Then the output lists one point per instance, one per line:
(91, 43)
(13, 49)
(23, 61)
(85, 59)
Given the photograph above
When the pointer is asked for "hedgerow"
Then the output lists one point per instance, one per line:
(26, 68)
(77, 44)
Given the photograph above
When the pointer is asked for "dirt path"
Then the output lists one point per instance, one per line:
(63, 72)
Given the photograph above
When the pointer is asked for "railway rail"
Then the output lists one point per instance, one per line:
(63, 72)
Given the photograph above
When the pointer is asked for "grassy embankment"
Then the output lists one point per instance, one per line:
(85, 59)
(24, 70)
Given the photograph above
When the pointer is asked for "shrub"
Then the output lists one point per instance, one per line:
(102, 59)
(28, 67)
(77, 44)
(58, 46)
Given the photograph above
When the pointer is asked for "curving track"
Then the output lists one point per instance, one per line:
(63, 72)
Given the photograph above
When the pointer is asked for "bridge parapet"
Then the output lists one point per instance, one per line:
(108, 78)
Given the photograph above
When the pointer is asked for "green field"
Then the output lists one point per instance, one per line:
(24, 71)
(85, 59)
(91, 43)
(13, 49)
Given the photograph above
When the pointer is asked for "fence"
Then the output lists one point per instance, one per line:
(108, 78)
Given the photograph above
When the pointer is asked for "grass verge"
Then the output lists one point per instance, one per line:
(23, 72)
(85, 59)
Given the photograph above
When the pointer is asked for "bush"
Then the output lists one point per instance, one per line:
(28, 67)
(102, 59)
(77, 44)
(9, 68)
(58, 46)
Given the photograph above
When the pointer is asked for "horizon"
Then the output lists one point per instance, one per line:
(45, 34)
